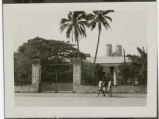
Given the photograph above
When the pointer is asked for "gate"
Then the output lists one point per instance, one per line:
(57, 78)
(88, 74)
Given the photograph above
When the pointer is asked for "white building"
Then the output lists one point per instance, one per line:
(111, 61)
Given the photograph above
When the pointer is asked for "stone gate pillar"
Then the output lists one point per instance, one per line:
(115, 78)
(76, 74)
(36, 74)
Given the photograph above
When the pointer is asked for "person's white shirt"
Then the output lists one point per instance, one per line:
(109, 83)
(100, 84)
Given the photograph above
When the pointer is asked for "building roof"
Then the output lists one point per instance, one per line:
(108, 60)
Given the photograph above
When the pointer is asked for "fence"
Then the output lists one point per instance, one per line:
(115, 89)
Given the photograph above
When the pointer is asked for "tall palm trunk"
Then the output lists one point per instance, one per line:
(76, 39)
(97, 46)
(77, 45)
(78, 49)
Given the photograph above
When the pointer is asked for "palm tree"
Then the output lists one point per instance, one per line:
(99, 18)
(74, 25)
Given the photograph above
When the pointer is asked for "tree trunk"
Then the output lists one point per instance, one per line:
(76, 39)
(97, 46)
(78, 49)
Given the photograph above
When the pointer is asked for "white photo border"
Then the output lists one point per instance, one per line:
(11, 110)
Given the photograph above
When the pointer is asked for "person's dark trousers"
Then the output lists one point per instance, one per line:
(102, 92)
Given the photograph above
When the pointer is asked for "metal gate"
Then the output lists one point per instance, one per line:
(57, 78)
(88, 74)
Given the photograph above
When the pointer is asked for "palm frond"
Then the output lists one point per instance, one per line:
(93, 24)
(63, 27)
(89, 17)
(96, 12)
(81, 15)
(106, 24)
(100, 17)
(83, 23)
(107, 17)
(78, 14)
(75, 25)
(69, 30)
(82, 31)
(107, 12)
(63, 21)
(141, 52)
(70, 16)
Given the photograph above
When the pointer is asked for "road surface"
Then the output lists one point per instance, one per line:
(73, 99)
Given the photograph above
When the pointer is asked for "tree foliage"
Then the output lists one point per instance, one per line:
(98, 19)
(137, 69)
(47, 51)
(75, 25)
(91, 73)
(99, 72)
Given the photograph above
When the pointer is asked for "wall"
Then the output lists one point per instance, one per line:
(80, 88)
(130, 89)
(115, 89)
(26, 89)
(44, 87)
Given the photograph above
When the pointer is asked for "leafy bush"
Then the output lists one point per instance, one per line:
(136, 70)
(91, 74)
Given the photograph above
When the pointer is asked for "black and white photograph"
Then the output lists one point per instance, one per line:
(69, 1)
(88, 59)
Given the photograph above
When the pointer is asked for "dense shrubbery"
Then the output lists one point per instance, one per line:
(136, 70)
(91, 74)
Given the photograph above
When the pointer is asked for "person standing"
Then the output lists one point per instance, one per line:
(109, 90)
(100, 88)
(104, 86)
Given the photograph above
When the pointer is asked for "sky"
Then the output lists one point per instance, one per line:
(24, 22)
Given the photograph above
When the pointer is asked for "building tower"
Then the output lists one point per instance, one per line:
(118, 50)
(109, 50)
